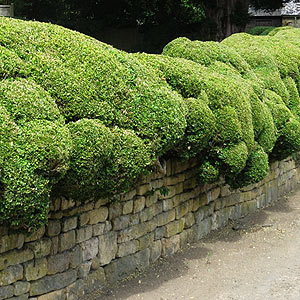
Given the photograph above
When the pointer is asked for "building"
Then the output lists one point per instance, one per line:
(289, 15)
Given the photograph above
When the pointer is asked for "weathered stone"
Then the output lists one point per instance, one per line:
(127, 207)
(15, 257)
(75, 290)
(6, 292)
(67, 203)
(143, 189)
(139, 204)
(36, 269)
(52, 283)
(95, 263)
(165, 218)
(75, 257)
(146, 214)
(213, 194)
(54, 245)
(189, 184)
(159, 233)
(173, 180)
(157, 208)
(189, 220)
(128, 196)
(95, 280)
(121, 222)
(133, 232)
(170, 246)
(146, 241)
(151, 199)
(101, 202)
(10, 242)
(98, 215)
(11, 275)
(56, 295)
(202, 229)
(3, 230)
(66, 241)
(168, 204)
(155, 251)
(89, 249)
(21, 287)
(107, 247)
(115, 210)
(128, 248)
(184, 239)
(174, 227)
(134, 219)
(108, 226)
(69, 224)
(122, 267)
(157, 184)
(58, 263)
(98, 229)
(182, 210)
(84, 219)
(56, 215)
(84, 269)
(171, 191)
(53, 228)
(35, 235)
(84, 234)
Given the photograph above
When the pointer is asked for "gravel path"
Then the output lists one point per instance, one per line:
(256, 258)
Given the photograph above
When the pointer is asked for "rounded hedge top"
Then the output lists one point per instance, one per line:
(82, 118)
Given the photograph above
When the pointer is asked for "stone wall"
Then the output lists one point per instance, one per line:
(88, 246)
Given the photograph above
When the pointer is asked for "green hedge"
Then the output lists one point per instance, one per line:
(82, 118)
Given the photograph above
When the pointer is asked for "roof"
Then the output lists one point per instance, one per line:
(292, 8)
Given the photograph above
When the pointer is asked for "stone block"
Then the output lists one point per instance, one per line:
(139, 204)
(151, 199)
(157, 208)
(89, 249)
(202, 229)
(84, 219)
(226, 190)
(143, 189)
(15, 257)
(123, 267)
(146, 241)
(115, 210)
(67, 203)
(173, 180)
(98, 215)
(101, 202)
(11, 275)
(184, 239)
(36, 269)
(174, 228)
(128, 248)
(21, 287)
(159, 233)
(155, 251)
(99, 229)
(133, 232)
(171, 245)
(84, 269)
(59, 263)
(21, 297)
(127, 207)
(128, 196)
(190, 184)
(157, 184)
(10, 242)
(54, 245)
(3, 230)
(165, 217)
(182, 210)
(95, 263)
(146, 214)
(56, 295)
(107, 247)
(84, 233)
(38, 234)
(75, 257)
(134, 219)
(75, 290)
(189, 220)
(53, 228)
(121, 222)
(168, 204)
(52, 283)
(6, 292)
(95, 280)
(66, 241)
(69, 224)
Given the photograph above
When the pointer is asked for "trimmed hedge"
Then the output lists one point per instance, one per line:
(82, 118)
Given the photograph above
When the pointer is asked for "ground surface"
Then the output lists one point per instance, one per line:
(256, 258)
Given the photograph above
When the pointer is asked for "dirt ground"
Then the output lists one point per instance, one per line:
(256, 258)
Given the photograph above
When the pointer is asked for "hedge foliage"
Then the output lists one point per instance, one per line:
(82, 118)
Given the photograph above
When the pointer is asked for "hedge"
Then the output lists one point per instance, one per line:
(82, 118)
